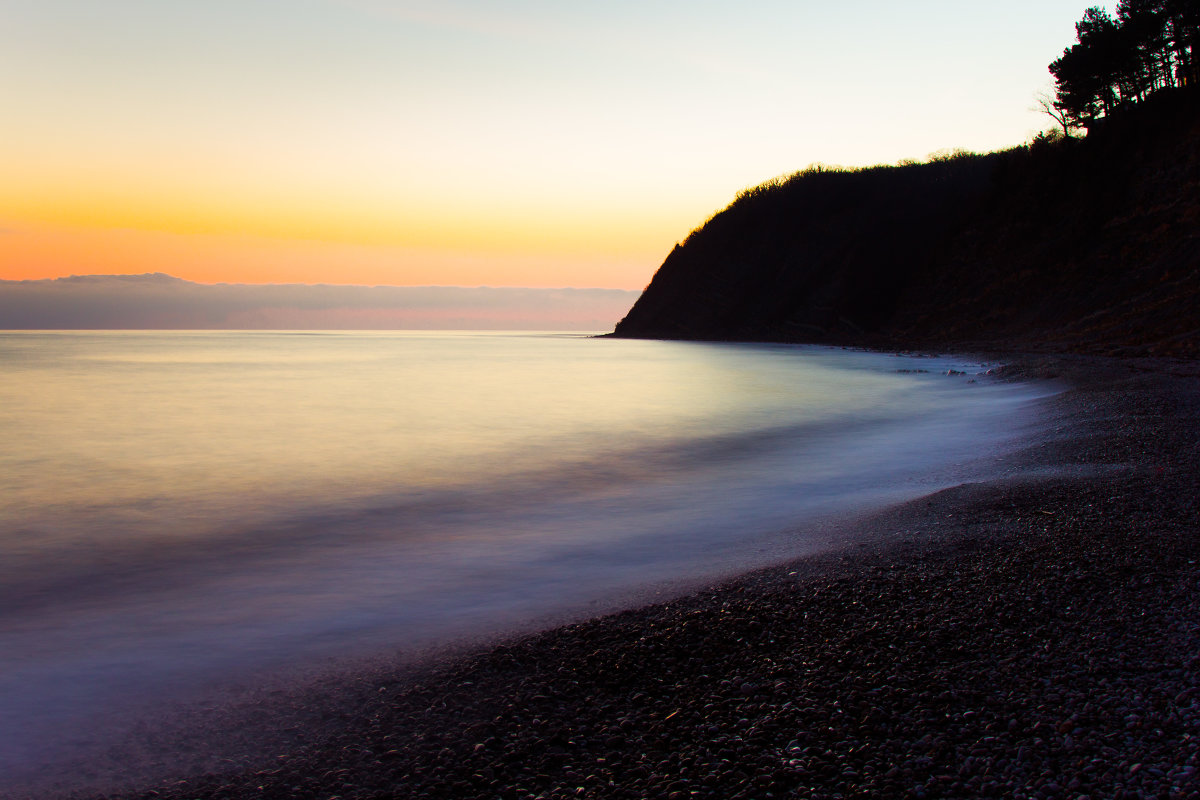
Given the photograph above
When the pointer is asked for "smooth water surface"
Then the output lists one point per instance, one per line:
(181, 510)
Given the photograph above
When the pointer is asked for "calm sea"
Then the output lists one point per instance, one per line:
(180, 510)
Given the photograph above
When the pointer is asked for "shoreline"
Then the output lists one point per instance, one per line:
(1030, 637)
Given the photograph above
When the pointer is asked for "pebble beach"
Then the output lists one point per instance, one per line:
(1037, 636)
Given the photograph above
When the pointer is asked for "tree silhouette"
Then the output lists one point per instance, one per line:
(1183, 37)
(1046, 105)
(1149, 46)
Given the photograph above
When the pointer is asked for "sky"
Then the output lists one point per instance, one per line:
(468, 143)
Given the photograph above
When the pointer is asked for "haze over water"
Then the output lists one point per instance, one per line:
(186, 511)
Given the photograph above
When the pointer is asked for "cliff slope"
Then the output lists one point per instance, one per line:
(1081, 244)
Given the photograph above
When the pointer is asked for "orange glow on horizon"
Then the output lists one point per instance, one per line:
(222, 231)
(31, 252)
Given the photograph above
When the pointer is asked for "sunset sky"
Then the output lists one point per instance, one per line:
(539, 143)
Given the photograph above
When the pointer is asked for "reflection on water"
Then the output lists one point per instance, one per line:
(184, 508)
(125, 419)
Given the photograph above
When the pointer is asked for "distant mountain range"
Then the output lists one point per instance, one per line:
(156, 300)
(1088, 244)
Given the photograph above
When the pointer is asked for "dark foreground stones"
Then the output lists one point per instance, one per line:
(1037, 637)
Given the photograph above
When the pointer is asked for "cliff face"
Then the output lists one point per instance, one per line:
(1089, 245)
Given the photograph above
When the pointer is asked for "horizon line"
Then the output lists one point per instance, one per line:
(160, 275)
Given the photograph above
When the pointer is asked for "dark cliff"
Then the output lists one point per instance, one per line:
(1080, 244)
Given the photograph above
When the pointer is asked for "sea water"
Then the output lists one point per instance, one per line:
(185, 510)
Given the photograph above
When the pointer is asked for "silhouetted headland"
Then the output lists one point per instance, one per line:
(1072, 244)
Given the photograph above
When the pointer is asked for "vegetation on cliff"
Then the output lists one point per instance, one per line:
(1063, 243)
(1149, 46)
(1066, 243)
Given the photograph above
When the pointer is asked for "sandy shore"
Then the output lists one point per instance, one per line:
(1032, 637)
